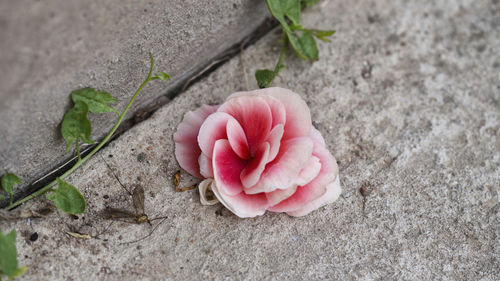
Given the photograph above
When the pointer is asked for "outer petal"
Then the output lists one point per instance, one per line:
(237, 139)
(314, 189)
(213, 129)
(254, 115)
(333, 191)
(298, 116)
(187, 150)
(283, 171)
(206, 169)
(317, 137)
(227, 168)
(243, 205)
(252, 172)
(277, 110)
(310, 171)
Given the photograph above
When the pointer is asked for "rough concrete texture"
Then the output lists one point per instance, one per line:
(49, 49)
(407, 98)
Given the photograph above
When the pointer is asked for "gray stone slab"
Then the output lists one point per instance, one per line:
(50, 48)
(406, 97)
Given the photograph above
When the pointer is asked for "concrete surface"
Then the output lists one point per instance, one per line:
(407, 97)
(50, 48)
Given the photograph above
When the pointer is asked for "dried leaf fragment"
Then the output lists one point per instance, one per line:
(182, 189)
(78, 235)
(177, 179)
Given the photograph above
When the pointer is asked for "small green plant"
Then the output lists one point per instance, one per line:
(76, 128)
(8, 182)
(8, 256)
(287, 12)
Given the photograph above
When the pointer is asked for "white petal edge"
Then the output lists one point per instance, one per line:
(205, 163)
(202, 188)
(332, 193)
(232, 208)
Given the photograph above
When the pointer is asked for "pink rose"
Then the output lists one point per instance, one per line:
(259, 151)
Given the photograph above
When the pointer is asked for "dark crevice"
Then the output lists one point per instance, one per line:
(146, 111)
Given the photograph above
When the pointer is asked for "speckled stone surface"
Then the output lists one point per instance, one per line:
(407, 98)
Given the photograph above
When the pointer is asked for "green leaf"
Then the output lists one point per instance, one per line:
(76, 125)
(308, 3)
(291, 9)
(322, 34)
(281, 8)
(8, 255)
(8, 181)
(161, 76)
(2, 197)
(324, 39)
(304, 44)
(264, 77)
(67, 198)
(308, 45)
(18, 272)
(97, 101)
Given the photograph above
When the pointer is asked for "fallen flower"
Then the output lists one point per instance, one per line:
(258, 151)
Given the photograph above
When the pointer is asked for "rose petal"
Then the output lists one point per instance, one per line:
(213, 129)
(314, 189)
(277, 110)
(227, 168)
(237, 139)
(298, 116)
(333, 191)
(283, 171)
(274, 139)
(252, 172)
(309, 172)
(206, 169)
(279, 195)
(187, 150)
(317, 137)
(243, 205)
(254, 116)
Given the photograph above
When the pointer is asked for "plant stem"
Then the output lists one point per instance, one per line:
(99, 146)
(280, 65)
